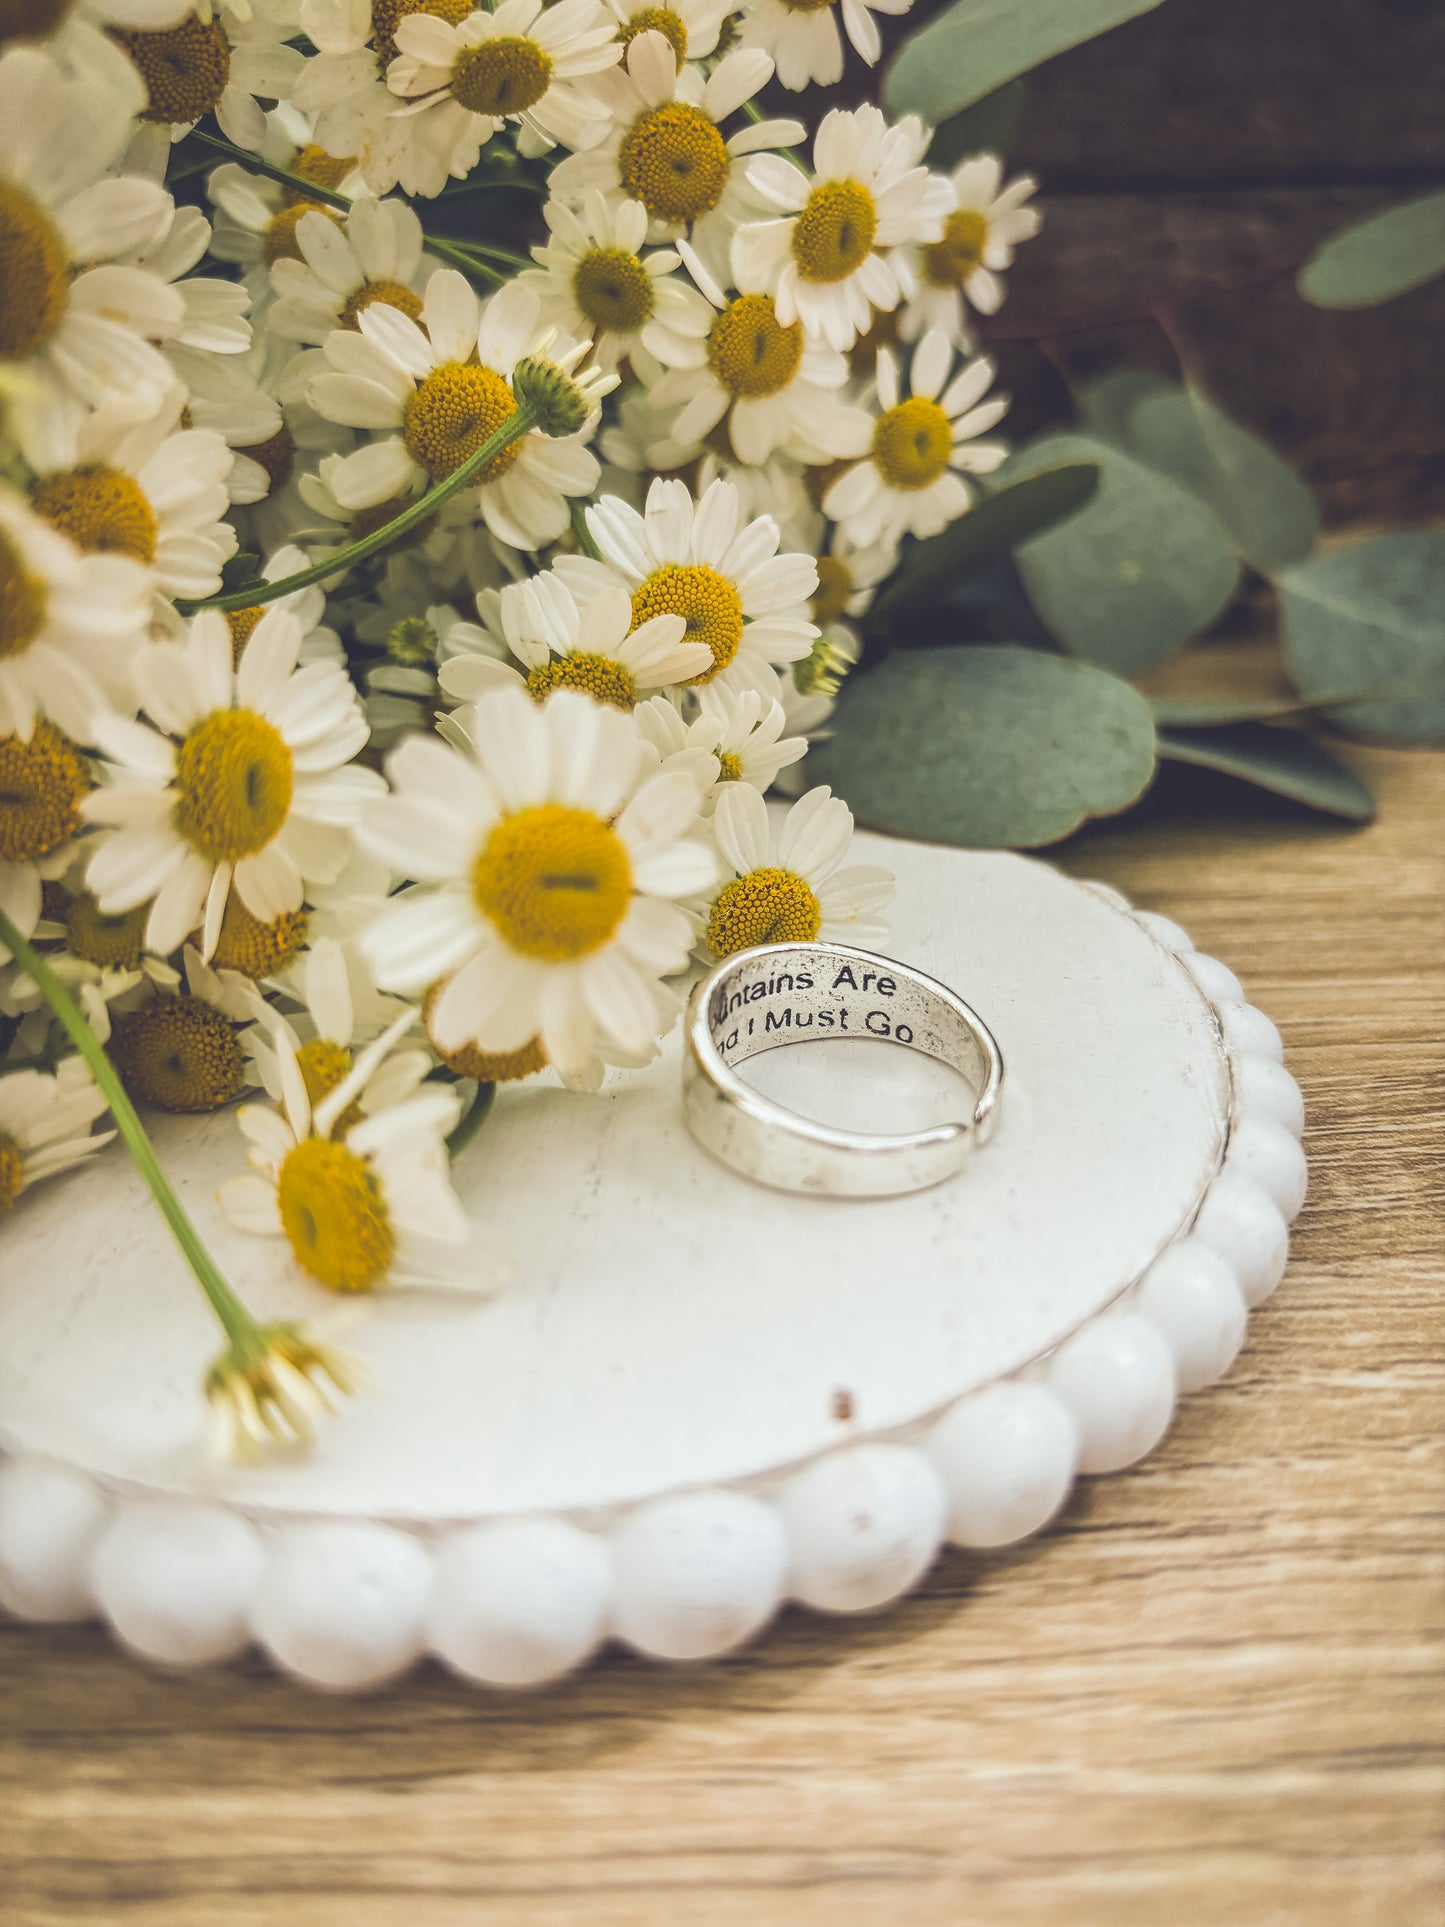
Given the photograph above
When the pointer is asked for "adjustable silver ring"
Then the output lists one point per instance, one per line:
(791, 993)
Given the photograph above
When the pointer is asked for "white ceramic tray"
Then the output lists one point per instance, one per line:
(694, 1398)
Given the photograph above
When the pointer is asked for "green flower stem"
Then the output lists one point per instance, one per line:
(756, 115)
(457, 253)
(522, 418)
(254, 164)
(237, 1323)
(577, 510)
(472, 1119)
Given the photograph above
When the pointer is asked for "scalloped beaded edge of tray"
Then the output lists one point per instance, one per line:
(349, 1605)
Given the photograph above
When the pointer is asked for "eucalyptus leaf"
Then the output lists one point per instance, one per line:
(1105, 404)
(1282, 760)
(996, 524)
(1267, 509)
(1371, 616)
(238, 570)
(977, 45)
(1137, 573)
(988, 747)
(1377, 259)
(988, 127)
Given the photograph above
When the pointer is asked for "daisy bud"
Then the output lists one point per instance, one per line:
(272, 1386)
(560, 401)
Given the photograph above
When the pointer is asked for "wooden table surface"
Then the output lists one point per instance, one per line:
(1213, 1693)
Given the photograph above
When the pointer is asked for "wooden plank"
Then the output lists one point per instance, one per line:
(1212, 1695)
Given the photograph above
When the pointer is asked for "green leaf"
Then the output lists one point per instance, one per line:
(987, 747)
(1106, 403)
(976, 46)
(998, 523)
(1371, 616)
(1267, 509)
(240, 569)
(988, 127)
(1379, 258)
(1282, 760)
(1137, 573)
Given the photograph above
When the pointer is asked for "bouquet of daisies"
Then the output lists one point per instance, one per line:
(445, 452)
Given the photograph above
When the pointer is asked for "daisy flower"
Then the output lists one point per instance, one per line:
(907, 481)
(547, 865)
(521, 63)
(273, 1390)
(256, 223)
(830, 258)
(592, 646)
(43, 781)
(145, 489)
(45, 1125)
(691, 27)
(65, 217)
(375, 254)
(240, 777)
(734, 590)
(593, 280)
(962, 270)
(362, 1204)
(446, 386)
(742, 735)
(340, 1010)
(340, 86)
(664, 144)
(181, 1050)
(787, 883)
(70, 625)
(848, 578)
(803, 38)
(104, 963)
(774, 387)
(216, 64)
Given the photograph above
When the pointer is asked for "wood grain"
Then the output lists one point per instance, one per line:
(1213, 1694)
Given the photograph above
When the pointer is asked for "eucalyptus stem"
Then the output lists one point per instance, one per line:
(237, 1323)
(522, 418)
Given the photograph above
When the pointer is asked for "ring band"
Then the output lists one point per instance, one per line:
(790, 993)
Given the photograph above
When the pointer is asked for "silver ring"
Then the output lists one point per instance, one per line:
(790, 993)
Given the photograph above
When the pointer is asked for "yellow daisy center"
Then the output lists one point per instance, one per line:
(12, 1172)
(833, 235)
(34, 275)
(275, 455)
(234, 778)
(912, 443)
(663, 20)
(750, 350)
(765, 906)
(614, 290)
(674, 160)
(502, 76)
(278, 241)
(729, 766)
(949, 262)
(486, 1066)
(335, 1216)
(387, 16)
(179, 1053)
(323, 1065)
(452, 413)
(393, 294)
(555, 881)
(254, 948)
(834, 590)
(707, 602)
(185, 68)
(602, 677)
(242, 625)
(113, 941)
(103, 511)
(41, 783)
(314, 164)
